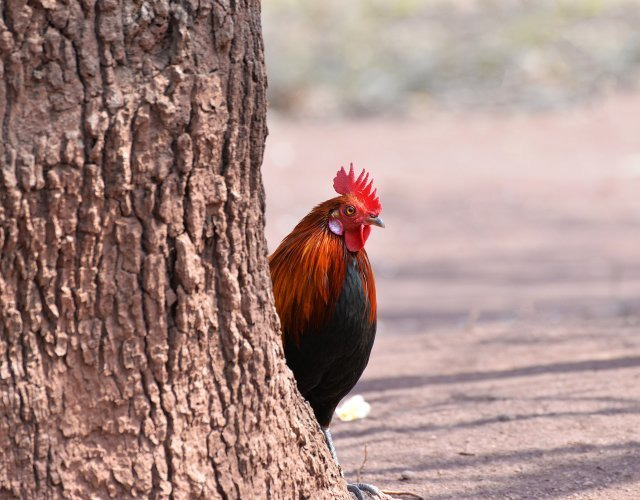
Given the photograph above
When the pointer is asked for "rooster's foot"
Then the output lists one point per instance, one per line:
(358, 488)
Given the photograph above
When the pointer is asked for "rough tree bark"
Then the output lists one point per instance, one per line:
(139, 352)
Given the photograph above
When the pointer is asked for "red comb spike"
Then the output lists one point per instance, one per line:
(352, 175)
(347, 184)
(360, 177)
(368, 186)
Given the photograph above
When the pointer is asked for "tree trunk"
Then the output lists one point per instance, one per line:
(139, 348)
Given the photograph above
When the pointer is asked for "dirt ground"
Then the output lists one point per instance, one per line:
(507, 363)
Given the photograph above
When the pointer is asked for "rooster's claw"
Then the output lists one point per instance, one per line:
(358, 488)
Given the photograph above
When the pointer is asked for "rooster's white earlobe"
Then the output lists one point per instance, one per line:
(336, 227)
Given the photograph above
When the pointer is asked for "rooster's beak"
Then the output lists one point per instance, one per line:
(375, 221)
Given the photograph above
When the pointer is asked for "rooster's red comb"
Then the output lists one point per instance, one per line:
(348, 184)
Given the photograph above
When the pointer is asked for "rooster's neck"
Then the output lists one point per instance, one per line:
(308, 271)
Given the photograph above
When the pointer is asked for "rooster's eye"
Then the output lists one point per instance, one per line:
(349, 210)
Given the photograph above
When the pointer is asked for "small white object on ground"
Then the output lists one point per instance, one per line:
(353, 408)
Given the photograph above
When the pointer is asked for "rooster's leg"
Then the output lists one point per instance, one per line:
(332, 449)
(355, 488)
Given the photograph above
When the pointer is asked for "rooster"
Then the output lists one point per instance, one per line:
(325, 296)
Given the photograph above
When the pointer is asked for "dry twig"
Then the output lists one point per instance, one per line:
(364, 461)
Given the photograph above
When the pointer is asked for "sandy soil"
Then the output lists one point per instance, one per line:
(508, 358)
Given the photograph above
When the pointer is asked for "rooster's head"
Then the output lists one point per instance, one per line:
(356, 210)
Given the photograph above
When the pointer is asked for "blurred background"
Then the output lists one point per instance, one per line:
(405, 57)
(504, 138)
